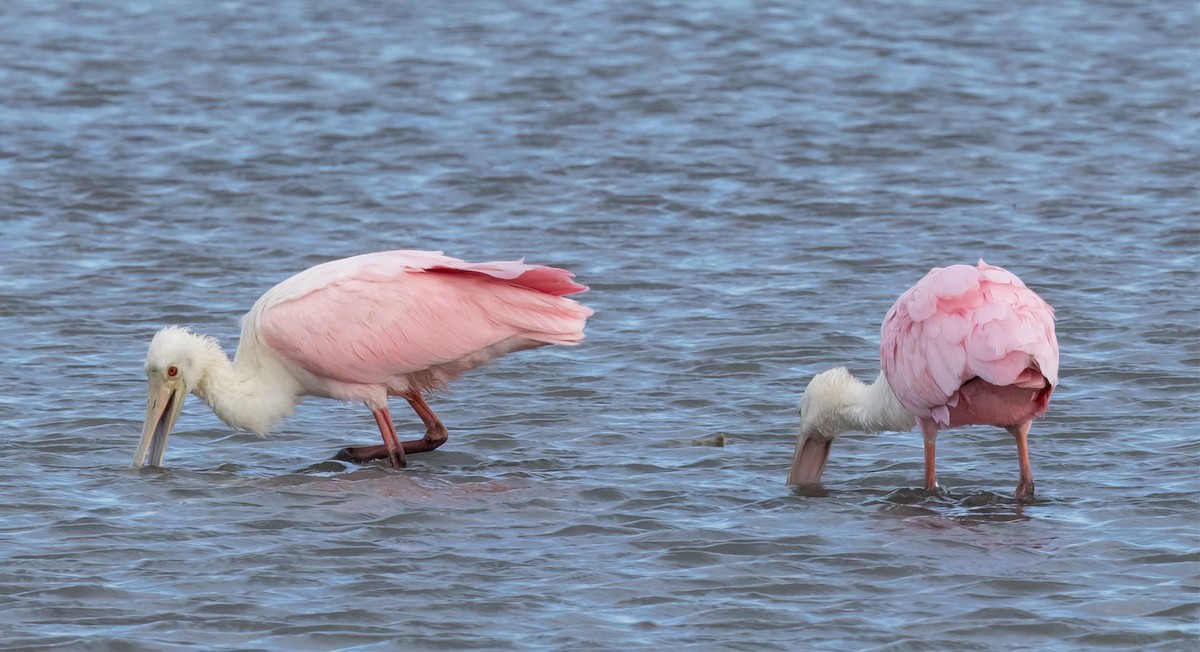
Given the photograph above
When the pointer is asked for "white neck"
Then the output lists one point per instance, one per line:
(253, 392)
(874, 408)
(836, 402)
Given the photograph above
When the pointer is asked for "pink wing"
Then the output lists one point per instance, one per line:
(962, 322)
(371, 319)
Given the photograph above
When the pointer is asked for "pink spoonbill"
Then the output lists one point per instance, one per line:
(395, 323)
(965, 345)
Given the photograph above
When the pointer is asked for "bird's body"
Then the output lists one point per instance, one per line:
(965, 345)
(398, 323)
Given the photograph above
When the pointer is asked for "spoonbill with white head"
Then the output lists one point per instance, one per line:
(395, 323)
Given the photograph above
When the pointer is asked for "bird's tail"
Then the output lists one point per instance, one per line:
(808, 462)
(547, 280)
(543, 316)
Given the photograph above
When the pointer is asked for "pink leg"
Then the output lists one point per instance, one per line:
(929, 429)
(435, 435)
(1025, 483)
(435, 432)
(393, 451)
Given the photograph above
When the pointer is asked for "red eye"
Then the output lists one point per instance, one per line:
(172, 371)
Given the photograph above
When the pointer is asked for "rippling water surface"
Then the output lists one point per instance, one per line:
(746, 187)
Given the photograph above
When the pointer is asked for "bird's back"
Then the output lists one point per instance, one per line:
(962, 322)
(410, 320)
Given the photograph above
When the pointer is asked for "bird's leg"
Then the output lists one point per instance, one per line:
(435, 432)
(1025, 483)
(391, 449)
(395, 452)
(435, 435)
(929, 429)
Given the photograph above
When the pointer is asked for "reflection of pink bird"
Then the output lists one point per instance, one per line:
(397, 323)
(965, 345)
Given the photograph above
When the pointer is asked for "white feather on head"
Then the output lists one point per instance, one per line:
(190, 352)
(823, 405)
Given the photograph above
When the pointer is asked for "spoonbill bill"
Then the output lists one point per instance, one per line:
(965, 345)
(394, 323)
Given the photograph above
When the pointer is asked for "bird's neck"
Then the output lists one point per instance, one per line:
(252, 392)
(874, 408)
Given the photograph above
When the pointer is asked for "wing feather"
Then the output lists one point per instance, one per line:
(370, 319)
(962, 322)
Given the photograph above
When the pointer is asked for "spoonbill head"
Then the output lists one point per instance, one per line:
(175, 366)
(835, 402)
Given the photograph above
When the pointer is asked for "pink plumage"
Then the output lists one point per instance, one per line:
(395, 323)
(411, 321)
(962, 322)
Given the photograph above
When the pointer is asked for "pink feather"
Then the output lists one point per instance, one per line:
(963, 322)
(411, 320)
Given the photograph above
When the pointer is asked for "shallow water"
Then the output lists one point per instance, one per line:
(746, 187)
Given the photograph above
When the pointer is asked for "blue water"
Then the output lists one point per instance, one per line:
(746, 187)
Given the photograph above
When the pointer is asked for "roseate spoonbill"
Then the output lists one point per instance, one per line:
(397, 323)
(965, 345)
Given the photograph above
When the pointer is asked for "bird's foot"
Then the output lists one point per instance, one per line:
(936, 491)
(397, 459)
(364, 454)
(1024, 493)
